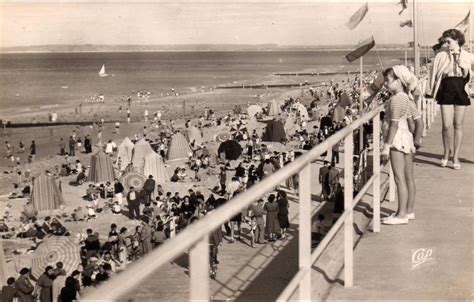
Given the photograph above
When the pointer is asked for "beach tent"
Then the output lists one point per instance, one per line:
(195, 134)
(101, 168)
(274, 132)
(274, 108)
(252, 110)
(179, 147)
(141, 150)
(231, 148)
(45, 194)
(154, 166)
(290, 127)
(125, 152)
(302, 111)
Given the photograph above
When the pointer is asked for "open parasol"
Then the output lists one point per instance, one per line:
(56, 249)
(133, 179)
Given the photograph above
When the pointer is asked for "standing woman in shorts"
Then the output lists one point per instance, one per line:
(448, 83)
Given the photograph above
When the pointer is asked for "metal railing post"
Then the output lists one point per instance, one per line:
(348, 197)
(199, 270)
(376, 165)
(304, 249)
(424, 112)
(392, 187)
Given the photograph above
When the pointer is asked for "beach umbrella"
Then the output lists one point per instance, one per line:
(231, 148)
(133, 179)
(53, 250)
(222, 137)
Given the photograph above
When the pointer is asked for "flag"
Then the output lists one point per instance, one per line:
(358, 16)
(404, 4)
(362, 48)
(464, 24)
(408, 23)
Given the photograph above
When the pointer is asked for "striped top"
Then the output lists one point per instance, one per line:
(399, 105)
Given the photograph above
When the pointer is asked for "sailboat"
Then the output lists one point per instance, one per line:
(102, 71)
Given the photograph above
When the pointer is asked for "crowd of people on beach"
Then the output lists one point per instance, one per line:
(159, 215)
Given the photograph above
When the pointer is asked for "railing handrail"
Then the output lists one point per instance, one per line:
(136, 272)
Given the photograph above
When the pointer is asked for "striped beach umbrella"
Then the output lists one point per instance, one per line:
(133, 179)
(222, 137)
(56, 249)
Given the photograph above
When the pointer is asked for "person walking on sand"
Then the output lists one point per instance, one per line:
(62, 147)
(449, 84)
(33, 150)
(117, 127)
(400, 144)
(72, 146)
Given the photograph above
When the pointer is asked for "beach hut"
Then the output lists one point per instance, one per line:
(274, 132)
(195, 134)
(46, 194)
(274, 108)
(141, 150)
(154, 166)
(179, 147)
(125, 152)
(101, 168)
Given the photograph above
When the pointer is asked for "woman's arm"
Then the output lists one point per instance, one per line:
(419, 124)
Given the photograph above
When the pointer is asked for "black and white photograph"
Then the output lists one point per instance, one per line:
(250, 151)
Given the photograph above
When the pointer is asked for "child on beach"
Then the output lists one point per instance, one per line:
(400, 143)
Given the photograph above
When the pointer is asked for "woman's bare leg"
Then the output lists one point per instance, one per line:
(458, 122)
(447, 115)
(398, 164)
(410, 179)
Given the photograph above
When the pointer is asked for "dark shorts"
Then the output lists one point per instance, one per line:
(451, 92)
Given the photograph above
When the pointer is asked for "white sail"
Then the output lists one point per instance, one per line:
(102, 71)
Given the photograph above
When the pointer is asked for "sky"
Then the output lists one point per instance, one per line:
(28, 23)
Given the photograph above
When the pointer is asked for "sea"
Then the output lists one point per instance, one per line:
(29, 81)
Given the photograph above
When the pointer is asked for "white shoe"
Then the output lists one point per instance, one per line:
(411, 216)
(389, 217)
(395, 221)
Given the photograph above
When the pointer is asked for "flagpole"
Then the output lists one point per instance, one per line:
(470, 32)
(415, 38)
(361, 128)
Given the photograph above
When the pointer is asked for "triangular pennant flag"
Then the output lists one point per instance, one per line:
(404, 4)
(408, 23)
(362, 49)
(464, 24)
(358, 16)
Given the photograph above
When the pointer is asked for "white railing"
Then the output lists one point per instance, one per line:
(195, 237)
